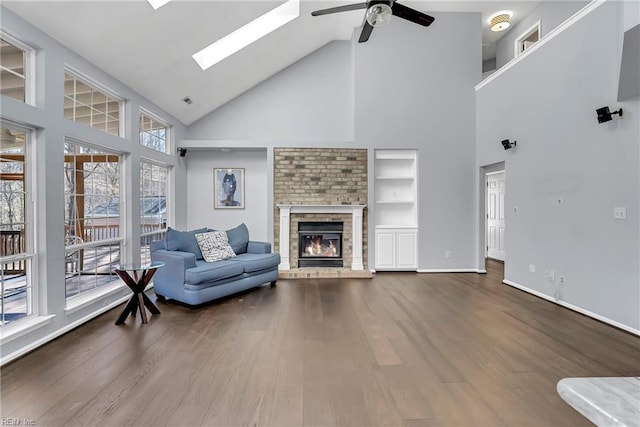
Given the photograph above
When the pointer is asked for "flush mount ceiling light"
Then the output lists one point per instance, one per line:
(500, 21)
(158, 3)
(247, 34)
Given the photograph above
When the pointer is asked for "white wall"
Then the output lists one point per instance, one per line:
(407, 87)
(549, 13)
(414, 89)
(547, 103)
(312, 100)
(48, 117)
(200, 191)
(631, 13)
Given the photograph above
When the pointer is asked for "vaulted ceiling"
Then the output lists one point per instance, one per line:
(150, 50)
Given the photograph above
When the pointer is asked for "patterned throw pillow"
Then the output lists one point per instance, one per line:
(214, 246)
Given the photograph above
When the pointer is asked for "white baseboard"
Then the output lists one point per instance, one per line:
(450, 270)
(573, 307)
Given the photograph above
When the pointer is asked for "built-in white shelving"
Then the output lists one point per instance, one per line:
(396, 214)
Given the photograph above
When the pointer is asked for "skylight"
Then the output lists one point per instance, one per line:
(247, 34)
(158, 3)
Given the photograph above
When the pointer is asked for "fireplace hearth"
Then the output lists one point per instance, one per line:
(320, 244)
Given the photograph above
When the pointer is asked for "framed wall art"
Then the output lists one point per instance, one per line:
(228, 184)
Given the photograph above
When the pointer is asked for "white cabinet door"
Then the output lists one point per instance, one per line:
(406, 249)
(385, 249)
(396, 249)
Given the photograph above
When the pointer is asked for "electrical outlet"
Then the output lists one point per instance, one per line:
(546, 274)
(620, 213)
(552, 275)
(532, 268)
(561, 279)
(447, 254)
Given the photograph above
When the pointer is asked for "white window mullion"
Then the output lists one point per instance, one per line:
(24, 91)
(94, 114)
(75, 98)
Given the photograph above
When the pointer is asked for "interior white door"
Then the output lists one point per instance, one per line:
(495, 215)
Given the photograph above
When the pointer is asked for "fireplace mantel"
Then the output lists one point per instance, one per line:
(285, 232)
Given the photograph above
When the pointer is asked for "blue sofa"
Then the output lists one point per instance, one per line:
(188, 278)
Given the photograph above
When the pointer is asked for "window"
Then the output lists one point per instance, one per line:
(15, 67)
(85, 103)
(16, 232)
(527, 39)
(153, 205)
(92, 217)
(153, 132)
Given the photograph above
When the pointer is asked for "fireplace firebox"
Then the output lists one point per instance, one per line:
(320, 244)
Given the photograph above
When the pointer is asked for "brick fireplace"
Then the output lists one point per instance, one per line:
(321, 185)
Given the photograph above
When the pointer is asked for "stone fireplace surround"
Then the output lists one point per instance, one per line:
(321, 184)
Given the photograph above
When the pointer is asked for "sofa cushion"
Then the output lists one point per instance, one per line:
(257, 262)
(210, 272)
(239, 238)
(214, 246)
(185, 241)
(156, 245)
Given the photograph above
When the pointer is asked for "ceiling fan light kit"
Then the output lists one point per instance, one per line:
(378, 13)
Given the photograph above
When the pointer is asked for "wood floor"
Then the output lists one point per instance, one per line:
(401, 349)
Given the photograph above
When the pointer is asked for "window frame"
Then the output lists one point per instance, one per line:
(96, 85)
(29, 256)
(160, 120)
(144, 236)
(29, 66)
(518, 43)
(82, 297)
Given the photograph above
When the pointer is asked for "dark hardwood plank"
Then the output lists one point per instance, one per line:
(402, 349)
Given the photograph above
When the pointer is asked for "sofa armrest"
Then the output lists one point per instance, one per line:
(259, 248)
(174, 260)
(169, 280)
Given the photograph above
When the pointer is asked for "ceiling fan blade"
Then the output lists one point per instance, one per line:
(366, 32)
(412, 15)
(344, 8)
